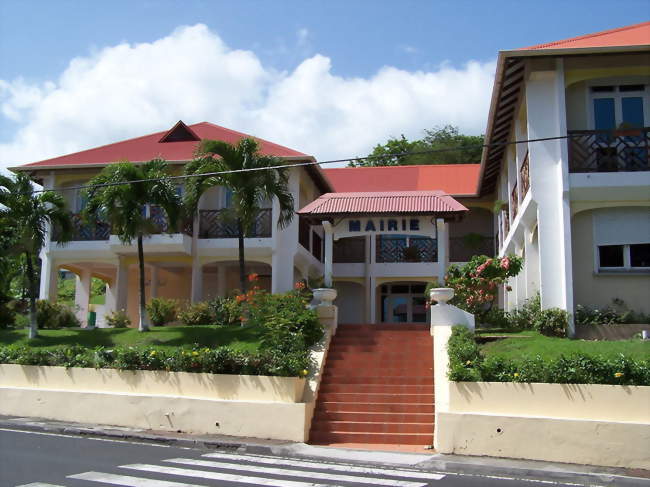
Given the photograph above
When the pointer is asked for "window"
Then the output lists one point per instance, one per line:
(614, 106)
(622, 239)
(624, 257)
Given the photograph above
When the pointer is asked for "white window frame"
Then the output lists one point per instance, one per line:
(617, 95)
(627, 261)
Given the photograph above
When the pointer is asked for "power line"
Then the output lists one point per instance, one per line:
(307, 163)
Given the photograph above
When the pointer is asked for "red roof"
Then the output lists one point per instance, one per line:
(456, 179)
(387, 202)
(176, 144)
(630, 35)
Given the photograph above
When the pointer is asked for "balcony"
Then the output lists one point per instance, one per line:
(219, 224)
(609, 150)
(524, 176)
(462, 249)
(85, 231)
(393, 249)
(514, 202)
(349, 250)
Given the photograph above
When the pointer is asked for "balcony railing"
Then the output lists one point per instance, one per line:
(462, 249)
(514, 202)
(161, 222)
(524, 176)
(609, 150)
(349, 250)
(219, 224)
(84, 231)
(398, 249)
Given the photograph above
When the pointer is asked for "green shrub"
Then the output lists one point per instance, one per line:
(608, 315)
(226, 311)
(221, 360)
(466, 363)
(54, 315)
(552, 322)
(197, 314)
(523, 318)
(162, 311)
(7, 314)
(118, 319)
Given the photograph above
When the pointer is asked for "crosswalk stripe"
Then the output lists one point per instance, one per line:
(336, 467)
(244, 479)
(297, 473)
(128, 481)
(38, 484)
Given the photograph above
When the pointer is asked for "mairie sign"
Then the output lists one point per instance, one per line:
(349, 227)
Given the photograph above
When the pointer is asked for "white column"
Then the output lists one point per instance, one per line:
(110, 303)
(329, 245)
(121, 284)
(442, 235)
(82, 295)
(197, 280)
(49, 278)
(285, 241)
(373, 299)
(545, 99)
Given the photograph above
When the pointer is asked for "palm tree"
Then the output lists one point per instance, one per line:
(31, 214)
(120, 194)
(258, 178)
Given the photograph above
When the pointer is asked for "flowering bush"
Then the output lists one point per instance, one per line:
(162, 311)
(197, 314)
(467, 364)
(118, 319)
(476, 283)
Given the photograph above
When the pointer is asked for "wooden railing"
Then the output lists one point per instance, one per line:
(524, 176)
(462, 249)
(514, 202)
(85, 231)
(349, 250)
(396, 249)
(609, 150)
(220, 224)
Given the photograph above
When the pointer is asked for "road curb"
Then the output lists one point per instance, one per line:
(448, 464)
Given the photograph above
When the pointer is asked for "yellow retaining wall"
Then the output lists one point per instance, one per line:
(198, 386)
(588, 424)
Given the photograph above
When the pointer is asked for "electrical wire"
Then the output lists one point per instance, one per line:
(302, 164)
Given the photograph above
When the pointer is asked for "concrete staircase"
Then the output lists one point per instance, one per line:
(377, 387)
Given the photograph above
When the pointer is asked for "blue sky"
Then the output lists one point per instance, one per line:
(325, 49)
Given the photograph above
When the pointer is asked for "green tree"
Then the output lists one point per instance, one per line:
(454, 147)
(259, 178)
(123, 205)
(31, 215)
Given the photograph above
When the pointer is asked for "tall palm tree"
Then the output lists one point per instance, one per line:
(31, 214)
(123, 205)
(259, 178)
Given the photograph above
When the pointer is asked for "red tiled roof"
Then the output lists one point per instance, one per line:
(630, 35)
(456, 179)
(150, 146)
(387, 202)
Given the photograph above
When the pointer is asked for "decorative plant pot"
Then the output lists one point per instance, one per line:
(324, 296)
(441, 294)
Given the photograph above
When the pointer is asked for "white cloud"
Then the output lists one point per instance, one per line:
(129, 90)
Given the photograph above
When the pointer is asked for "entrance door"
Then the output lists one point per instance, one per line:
(403, 303)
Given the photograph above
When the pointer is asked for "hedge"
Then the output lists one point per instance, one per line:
(221, 360)
(468, 364)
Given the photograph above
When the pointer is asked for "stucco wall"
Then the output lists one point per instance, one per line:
(598, 290)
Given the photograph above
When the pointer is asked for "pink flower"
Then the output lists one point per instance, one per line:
(505, 263)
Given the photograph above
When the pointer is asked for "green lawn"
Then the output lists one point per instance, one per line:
(548, 347)
(245, 338)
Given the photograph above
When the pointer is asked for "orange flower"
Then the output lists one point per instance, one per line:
(299, 285)
(240, 298)
(252, 277)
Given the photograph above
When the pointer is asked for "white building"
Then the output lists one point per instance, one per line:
(577, 209)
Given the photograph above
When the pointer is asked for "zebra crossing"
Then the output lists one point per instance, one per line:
(230, 469)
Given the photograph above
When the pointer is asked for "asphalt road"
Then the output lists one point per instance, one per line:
(50, 460)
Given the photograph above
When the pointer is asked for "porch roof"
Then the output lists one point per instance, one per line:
(383, 203)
